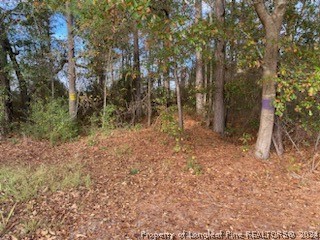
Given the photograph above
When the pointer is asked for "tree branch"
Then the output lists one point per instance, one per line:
(262, 11)
(81, 66)
(280, 8)
(62, 62)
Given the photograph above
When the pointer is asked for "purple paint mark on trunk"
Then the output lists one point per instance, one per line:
(267, 104)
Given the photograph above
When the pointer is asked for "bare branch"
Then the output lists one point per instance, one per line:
(262, 11)
(280, 7)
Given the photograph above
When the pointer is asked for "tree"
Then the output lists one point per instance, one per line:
(71, 64)
(5, 91)
(199, 65)
(272, 22)
(137, 74)
(219, 108)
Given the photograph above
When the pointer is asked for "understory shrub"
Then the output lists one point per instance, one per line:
(108, 117)
(51, 121)
(169, 123)
(104, 121)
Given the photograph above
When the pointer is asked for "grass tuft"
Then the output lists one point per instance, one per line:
(19, 184)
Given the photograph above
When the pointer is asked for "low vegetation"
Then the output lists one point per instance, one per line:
(21, 183)
(50, 121)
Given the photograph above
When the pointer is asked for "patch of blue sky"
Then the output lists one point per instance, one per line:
(59, 26)
(8, 4)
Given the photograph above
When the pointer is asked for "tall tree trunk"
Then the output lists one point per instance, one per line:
(210, 95)
(136, 67)
(199, 65)
(166, 84)
(272, 24)
(22, 83)
(150, 85)
(219, 108)
(5, 92)
(205, 84)
(71, 65)
(105, 83)
(179, 102)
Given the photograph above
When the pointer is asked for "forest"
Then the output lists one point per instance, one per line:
(159, 119)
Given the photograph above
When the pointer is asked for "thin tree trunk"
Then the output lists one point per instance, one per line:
(179, 102)
(272, 24)
(105, 82)
(5, 92)
(52, 88)
(166, 82)
(210, 95)
(150, 82)
(205, 85)
(149, 101)
(278, 136)
(71, 65)
(199, 65)
(22, 83)
(219, 108)
(136, 66)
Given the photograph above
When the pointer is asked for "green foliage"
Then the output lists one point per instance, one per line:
(30, 226)
(161, 97)
(92, 140)
(103, 122)
(245, 139)
(299, 96)
(241, 93)
(23, 183)
(169, 123)
(5, 219)
(108, 118)
(293, 166)
(50, 121)
(134, 171)
(177, 148)
(193, 166)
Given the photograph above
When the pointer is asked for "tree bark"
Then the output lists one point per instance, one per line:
(166, 84)
(22, 83)
(137, 73)
(5, 92)
(272, 24)
(278, 136)
(179, 102)
(105, 83)
(219, 108)
(150, 83)
(199, 65)
(71, 65)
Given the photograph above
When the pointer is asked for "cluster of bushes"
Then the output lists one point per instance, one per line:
(51, 121)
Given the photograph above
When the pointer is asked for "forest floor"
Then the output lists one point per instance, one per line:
(145, 187)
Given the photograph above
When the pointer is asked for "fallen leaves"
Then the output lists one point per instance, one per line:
(234, 191)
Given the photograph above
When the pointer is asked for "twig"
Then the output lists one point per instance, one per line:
(317, 143)
(257, 48)
(293, 143)
(276, 146)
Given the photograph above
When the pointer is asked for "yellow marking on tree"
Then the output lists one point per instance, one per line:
(72, 96)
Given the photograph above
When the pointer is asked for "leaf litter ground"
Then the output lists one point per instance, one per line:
(141, 183)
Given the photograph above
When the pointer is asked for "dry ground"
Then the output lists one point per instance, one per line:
(141, 183)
